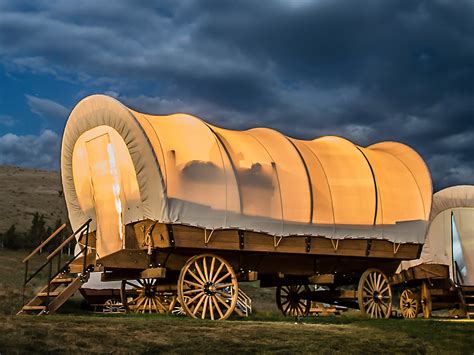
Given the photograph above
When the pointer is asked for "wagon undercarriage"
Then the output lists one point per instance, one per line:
(202, 276)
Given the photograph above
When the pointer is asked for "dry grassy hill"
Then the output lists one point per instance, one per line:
(26, 191)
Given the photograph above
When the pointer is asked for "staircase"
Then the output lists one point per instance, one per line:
(61, 282)
(468, 295)
(243, 306)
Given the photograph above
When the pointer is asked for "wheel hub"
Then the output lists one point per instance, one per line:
(209, 288)
(149, 291)
(376, 296)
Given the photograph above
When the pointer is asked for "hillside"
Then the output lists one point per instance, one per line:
(26, 191)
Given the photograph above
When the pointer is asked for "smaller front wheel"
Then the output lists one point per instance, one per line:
(292, 301)
(409, 304)
(143, 296)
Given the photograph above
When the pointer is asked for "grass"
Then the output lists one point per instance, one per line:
(76, 331)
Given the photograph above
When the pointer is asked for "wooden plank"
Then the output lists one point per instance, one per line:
(431, 271)
(65, 295)
(193, 237)
(321, 279)
(153, 273)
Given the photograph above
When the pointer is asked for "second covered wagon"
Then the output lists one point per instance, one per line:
(195, 208)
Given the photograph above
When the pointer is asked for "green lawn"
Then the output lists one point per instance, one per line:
(74, 330)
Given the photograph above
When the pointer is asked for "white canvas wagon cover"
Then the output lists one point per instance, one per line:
(450, 236)
(120, 166)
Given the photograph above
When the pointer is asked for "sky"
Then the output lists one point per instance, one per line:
(366, 70)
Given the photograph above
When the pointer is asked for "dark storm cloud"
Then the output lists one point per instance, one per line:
(47, 108)
(371, 71)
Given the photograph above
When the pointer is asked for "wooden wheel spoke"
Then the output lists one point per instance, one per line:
(204, 308)
(204, 264)
(222, 278)
(221, 301)
(198, 269)
(191, 301)
(198, 305)
(369, 292)
(188, 292)
(218, 287)
(217, 307)
(219, 269)
(200, 281)
(211, 308)
(378, 277)
(211, 269)
(193, 284)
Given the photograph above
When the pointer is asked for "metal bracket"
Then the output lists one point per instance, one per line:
(169, 228)
(307, 241)
(396, 246)
(241, 239)
(277, 241)
(335, 244)
(207, 238)
(369, 246)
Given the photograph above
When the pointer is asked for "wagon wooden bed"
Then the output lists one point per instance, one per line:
(187, 207)
(443, 276)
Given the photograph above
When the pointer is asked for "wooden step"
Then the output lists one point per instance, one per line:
(51, 294)
(57, 302)
(467, 289)
(63, 280)
(33, 308)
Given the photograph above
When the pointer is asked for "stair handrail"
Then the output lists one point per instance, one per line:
(60, 247)
(459, 285)
(43, 244)
(84, 228)
(459, 276)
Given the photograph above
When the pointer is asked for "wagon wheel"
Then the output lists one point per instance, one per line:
(374, 294)
(142, 296)
(113, 305)
(425, 297)
(409, 304)
(290, 301)
(207, 287)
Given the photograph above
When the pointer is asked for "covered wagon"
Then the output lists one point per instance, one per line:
(443, 276)
(179, 204)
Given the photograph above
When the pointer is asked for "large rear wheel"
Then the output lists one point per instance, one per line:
(374, 294)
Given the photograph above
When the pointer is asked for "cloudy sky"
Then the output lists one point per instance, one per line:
(366, 70)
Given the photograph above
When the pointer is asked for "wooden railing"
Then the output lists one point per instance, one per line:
(82, 231)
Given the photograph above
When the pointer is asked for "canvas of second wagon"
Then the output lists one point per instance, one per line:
(443, 276)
